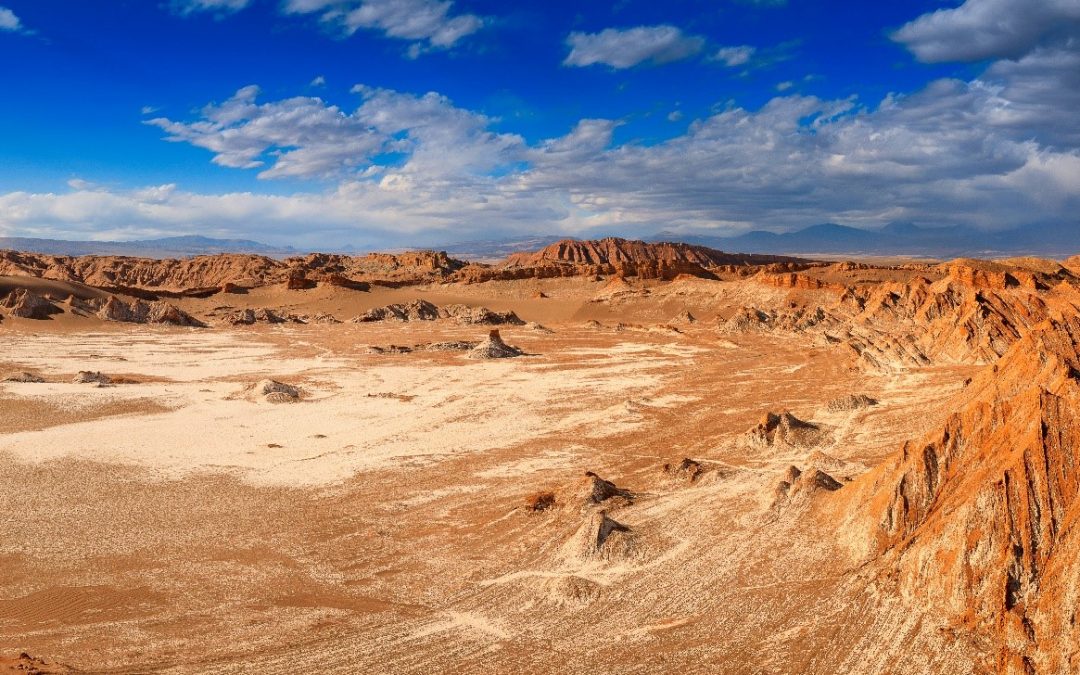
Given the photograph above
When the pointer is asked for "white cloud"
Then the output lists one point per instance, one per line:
(625, 48)
(428, 23)
(305, 137)
(319, 81)
(734, 56)
(222, 7)
(784, 86)
(674, 116)
(990, 29)
(9, 21)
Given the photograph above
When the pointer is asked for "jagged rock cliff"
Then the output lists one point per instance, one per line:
(980, 516)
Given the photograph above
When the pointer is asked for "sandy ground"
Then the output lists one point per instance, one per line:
(179, 523)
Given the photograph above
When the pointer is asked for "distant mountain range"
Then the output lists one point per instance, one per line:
(903, 239)
(167, 247)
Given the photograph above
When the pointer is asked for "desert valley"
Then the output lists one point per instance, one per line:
(599, 456)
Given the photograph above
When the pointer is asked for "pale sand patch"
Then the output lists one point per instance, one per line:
(338, 430)
(183, 356)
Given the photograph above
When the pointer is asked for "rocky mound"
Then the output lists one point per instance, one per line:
(540, 501)
(31, 665)
(783, 430)
(603, 490)
(249, 317)
(798, 485)
(851, 402)
(494, 348)
(479, 316)
(92, 377)
(417, 310)
(138, 311)
(273, 391)
(422, 310)
(23, 377)
(747, 320)
(26, 304)
(688, 469)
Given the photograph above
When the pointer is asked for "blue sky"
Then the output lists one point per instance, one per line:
(394, 122)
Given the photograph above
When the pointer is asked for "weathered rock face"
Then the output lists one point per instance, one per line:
(972, 314)
(979, 515)
(26, 304)
(479, 316)
(138, 311)
(417, 310)
(622, 257)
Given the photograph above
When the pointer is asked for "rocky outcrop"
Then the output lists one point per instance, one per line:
(92, 377)
(747, 320)
(798, 485)
(26, 304)
(850, 402)
(273, 391)
(249, 317)
(783, 430)
(417, 310)
(422, 310)
(23, 377)
(138, 311)
(494, 348)
(603, 490)
(467, 315)
(688, 469)
(978, 516)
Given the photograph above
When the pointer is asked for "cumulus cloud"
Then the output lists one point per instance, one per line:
(990, 29)
(625, 48)
(430, 24)
(9, 21)
(221, 7)
(306, 137)
(734, 56)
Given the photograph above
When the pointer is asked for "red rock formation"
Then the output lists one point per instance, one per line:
(614, 251)
(980, 516)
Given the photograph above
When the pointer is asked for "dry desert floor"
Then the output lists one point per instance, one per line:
(387, 522)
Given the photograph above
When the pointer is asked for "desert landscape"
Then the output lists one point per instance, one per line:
(598, 456)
